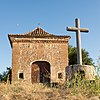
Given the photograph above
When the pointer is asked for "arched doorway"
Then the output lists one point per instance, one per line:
(40, 72)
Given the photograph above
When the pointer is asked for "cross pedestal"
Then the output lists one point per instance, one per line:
(77, 29)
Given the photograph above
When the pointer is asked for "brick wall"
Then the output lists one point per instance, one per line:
(25, 53)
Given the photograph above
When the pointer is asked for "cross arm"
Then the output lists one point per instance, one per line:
(84, 30)
(74, 29)
(71, 29)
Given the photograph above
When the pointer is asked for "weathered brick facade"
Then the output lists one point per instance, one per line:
(38, 56)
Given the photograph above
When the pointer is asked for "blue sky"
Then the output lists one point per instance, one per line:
(21, 16)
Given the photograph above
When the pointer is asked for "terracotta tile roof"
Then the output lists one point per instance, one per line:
(38, 32)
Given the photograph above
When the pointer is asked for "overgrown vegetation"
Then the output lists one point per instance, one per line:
(75, 89)
(72, 90)
(85, 87)
(98, 67)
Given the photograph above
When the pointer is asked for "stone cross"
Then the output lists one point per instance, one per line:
(77, 29)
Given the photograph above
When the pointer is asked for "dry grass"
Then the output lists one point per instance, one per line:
(25, 91)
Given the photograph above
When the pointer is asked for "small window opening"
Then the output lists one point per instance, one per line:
(60, 76)
(21, 76)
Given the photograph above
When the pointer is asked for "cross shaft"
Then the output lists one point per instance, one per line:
(77, 29)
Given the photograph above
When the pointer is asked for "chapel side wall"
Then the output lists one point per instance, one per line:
(15, 64)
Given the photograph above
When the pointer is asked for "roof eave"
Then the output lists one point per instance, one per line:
(29, 36)
(10, 40)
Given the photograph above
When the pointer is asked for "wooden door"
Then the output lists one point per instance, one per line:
(35, 73)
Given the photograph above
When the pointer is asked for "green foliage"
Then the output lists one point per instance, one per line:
(0, 77)
(98, 68)
(85, 87)
(72, 55)
(5, 75)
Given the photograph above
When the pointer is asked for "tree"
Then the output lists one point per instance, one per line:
(72, 55)
(0, 77)
(4, 76)
(7, 75)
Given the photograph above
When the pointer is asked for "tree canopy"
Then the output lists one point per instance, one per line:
(72, 55)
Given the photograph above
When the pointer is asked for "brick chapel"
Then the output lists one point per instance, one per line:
(39, 57)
